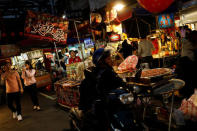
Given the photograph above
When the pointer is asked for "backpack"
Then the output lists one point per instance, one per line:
(88, 88)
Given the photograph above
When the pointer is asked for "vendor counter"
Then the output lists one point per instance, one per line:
(67, 92)
(165, 61)
(43, 80)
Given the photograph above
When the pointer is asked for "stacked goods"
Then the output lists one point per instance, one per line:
(67, 92)
(71, 71)
(155, 72)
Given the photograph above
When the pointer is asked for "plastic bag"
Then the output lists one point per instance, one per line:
(189, 108)
(179, 117)
(129, 64)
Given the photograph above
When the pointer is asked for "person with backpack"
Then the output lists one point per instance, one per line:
(28, 74)
(97, 85)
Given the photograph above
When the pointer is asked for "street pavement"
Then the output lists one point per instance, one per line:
(50, 118)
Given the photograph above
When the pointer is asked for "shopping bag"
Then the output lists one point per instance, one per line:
(129, 64)
(189, 108)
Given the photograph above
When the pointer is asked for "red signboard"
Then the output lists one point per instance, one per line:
(46, 27)
(49, 56)
(115, 37)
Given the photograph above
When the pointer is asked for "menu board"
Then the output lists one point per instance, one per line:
(46, 27)
(166, 20)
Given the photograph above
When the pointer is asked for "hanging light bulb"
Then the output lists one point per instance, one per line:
(119, 7)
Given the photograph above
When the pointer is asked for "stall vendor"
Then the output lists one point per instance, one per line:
(73, 58)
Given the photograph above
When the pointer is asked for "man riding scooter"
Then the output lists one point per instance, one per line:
(100, 104)
(92, 112)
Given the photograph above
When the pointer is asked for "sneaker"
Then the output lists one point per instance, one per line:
(34, 108)
(14, 115)
(19, 118)
(38, 108)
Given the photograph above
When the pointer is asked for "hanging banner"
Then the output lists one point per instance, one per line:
(166, 20)
(46, 27)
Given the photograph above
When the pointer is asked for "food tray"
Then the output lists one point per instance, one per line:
(173, 85)
(164, 71)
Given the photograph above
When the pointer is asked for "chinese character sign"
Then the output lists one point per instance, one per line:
(166, 20)
(46, 27)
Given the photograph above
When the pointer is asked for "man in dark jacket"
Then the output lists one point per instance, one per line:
(126, 49)
(107, 78)
(101, 80)
(96, 87)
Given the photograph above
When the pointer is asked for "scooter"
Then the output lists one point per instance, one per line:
(118, 115)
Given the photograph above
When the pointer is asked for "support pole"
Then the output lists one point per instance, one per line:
(171, 110)
(157, 27)
(79, 40)
(80, 44)
(57, 54)
(138, 28)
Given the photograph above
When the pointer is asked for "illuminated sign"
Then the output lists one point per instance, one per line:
(88, 43)
(115, 37)
(46, 27)
(166, 20)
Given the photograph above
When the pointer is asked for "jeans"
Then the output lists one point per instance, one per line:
(32, 90)
(11, 97)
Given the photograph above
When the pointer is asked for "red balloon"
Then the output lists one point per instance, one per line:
(155, 6)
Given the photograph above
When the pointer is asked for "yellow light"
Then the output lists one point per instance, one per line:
(119, 7)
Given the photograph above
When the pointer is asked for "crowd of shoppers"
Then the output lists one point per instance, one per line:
(14, 87)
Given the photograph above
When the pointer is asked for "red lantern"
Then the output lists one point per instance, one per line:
(12, 34)
(155, 6)
(3, 34)
(21, 33)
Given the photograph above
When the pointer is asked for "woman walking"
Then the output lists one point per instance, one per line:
(13, 90)
(28, 74)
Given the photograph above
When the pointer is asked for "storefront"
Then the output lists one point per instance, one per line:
(36, 57)
(188, 15)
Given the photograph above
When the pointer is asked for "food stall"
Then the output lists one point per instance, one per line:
(67, 89)
(67, 92)
(168, 44)
(43, 78)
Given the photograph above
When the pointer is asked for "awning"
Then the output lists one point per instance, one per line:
(7, 51)
(188, 15)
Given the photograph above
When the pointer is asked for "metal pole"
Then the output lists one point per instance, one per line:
(79, 40)
(157, 27)
(138, 28)
(52, 6)
(171, 109)
(79, 44)
(57, 54)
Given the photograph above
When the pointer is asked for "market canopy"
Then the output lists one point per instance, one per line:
(8, 51)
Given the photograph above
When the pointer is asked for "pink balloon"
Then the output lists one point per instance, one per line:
(155, 6)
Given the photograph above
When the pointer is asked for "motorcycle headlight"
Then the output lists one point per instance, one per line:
(126, 98)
